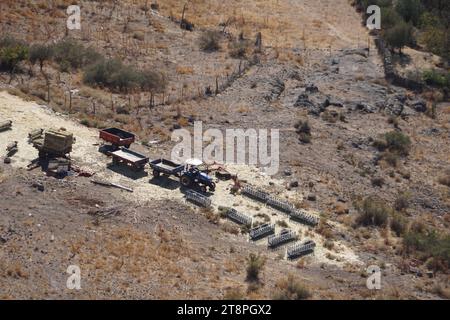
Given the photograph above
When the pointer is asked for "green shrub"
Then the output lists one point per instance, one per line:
(398, 142)
(71, 54)
(436, 78)
(398, 224)
(102, 72)
(435, 34)
(410, 10)
(429, 245)
(125, 79)
(152, 81)
(113, 74)
(12, 53)
(40, 53)
(255, 264)
(389, 17)
(399, 35)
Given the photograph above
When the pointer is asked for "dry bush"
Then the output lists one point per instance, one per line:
(234, 294)
(372, 212)
(185, 70)
(303, 129)
(239, 49)
(325, 229)
(210, 41)
(255, 264)
(291, 289)
(445, 180)
(230, 228)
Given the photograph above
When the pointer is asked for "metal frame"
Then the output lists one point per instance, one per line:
(281, 238)
(239, 217)
(262, 231)
(198, 198)
(300, 249)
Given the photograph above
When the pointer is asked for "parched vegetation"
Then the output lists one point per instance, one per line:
(255, 264)
(210, 41)
(373, 212)
(445, 179)
(430, 246)
(393, 145)
(303, 130)
(291, 289)
(420, 241)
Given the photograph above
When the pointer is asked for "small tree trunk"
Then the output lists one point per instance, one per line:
(217, 86)
(48, 91)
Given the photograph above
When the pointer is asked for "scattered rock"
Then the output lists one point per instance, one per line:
(311, 88)
(293, 184)
(367, 108)
(336, 104)
(39, 186)
(303, 101)
(415, 271)
(278, 88)
(7, 160)
(312, 197)
(419, 105)
(288, 172)
(395, 109)
(431, 132)
(361, 52)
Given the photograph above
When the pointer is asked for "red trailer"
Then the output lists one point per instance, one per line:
(117, 137)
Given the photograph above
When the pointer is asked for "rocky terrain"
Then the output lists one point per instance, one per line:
(343, 156)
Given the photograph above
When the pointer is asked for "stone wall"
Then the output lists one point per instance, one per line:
(391, 75)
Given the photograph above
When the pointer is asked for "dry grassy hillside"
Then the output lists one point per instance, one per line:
(369, 158)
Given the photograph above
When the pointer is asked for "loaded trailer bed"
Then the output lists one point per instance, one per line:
(166, 167)
(130, 158)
